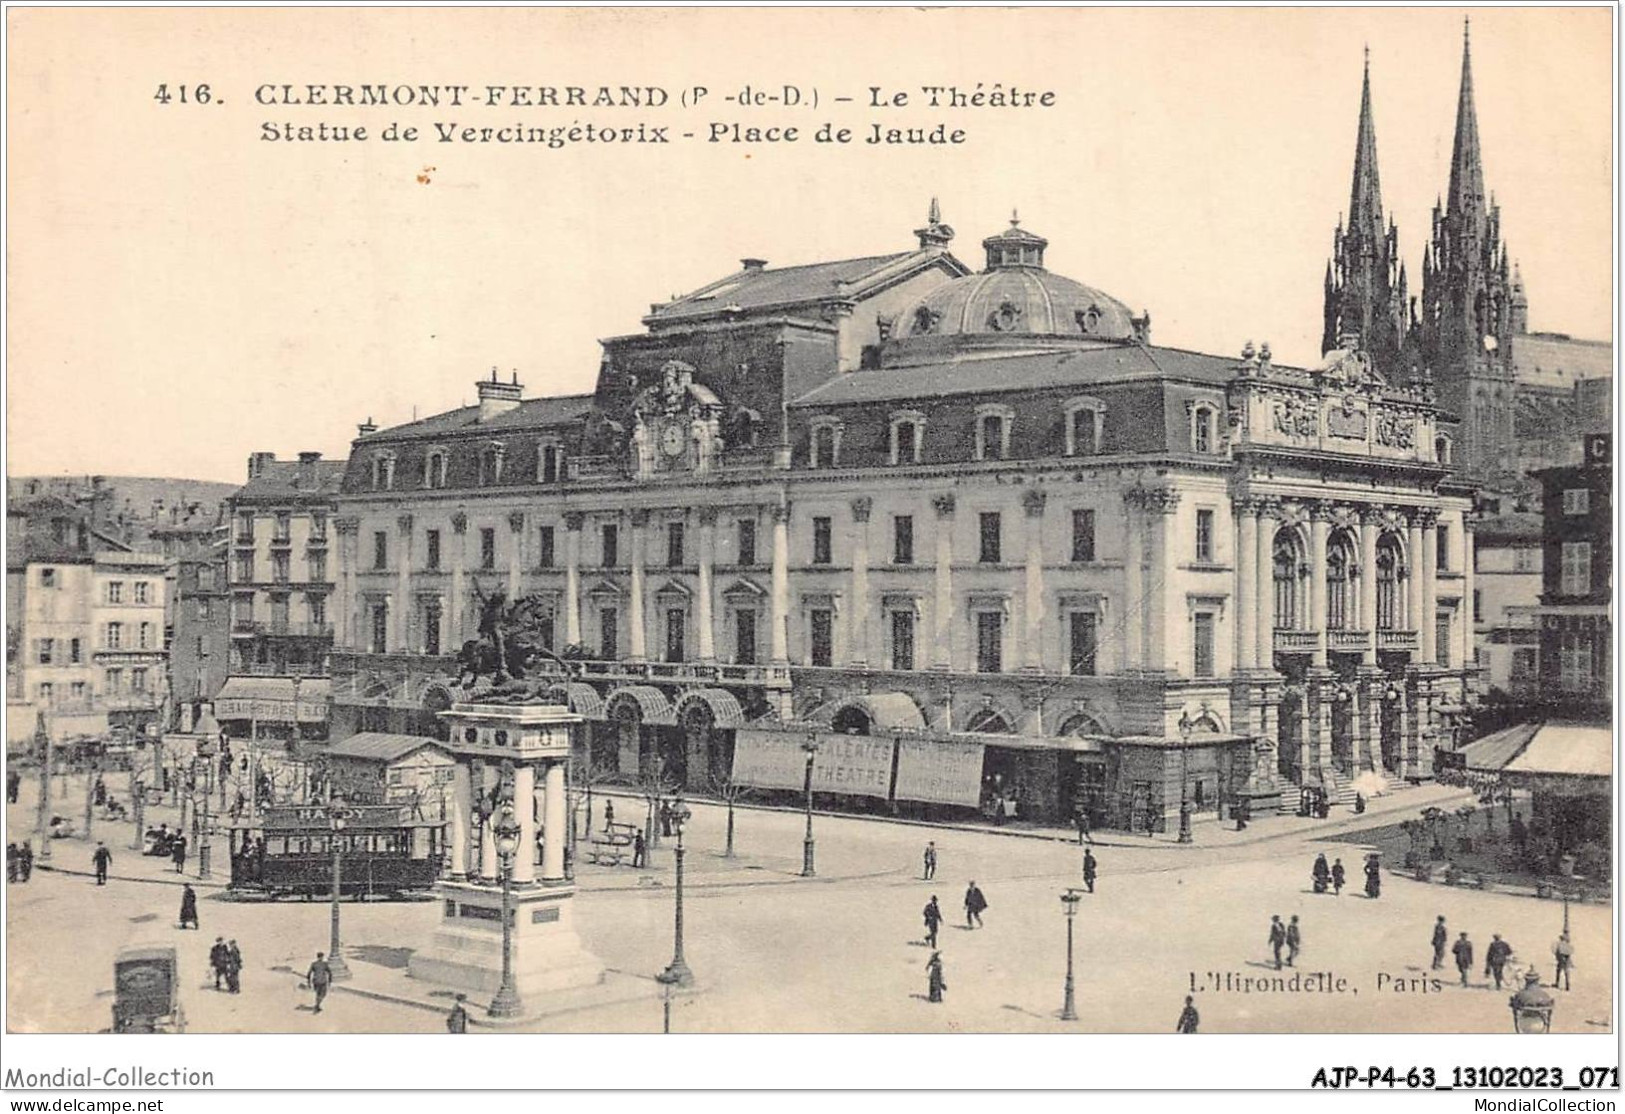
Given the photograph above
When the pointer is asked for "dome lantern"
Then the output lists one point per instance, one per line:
(1015, 247)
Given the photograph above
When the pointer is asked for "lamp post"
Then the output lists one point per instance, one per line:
(507, 832)
(42, 739)
(1531, 1006)
(678, 974)
(337, 818)
(138, 809)
(1185, 726)
(810, 745)
(1069, 903)
(205, 760)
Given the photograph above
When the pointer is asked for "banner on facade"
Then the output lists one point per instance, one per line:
(939, 772)
(857, 765)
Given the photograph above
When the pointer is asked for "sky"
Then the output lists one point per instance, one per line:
(183, 292)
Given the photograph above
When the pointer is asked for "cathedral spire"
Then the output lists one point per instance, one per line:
(1466, 197)
(935, 234)
(1365, 195)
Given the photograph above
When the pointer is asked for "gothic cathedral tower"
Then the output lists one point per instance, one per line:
(1471, 305)
(1365, 299)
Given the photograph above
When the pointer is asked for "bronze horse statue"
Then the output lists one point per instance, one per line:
(510, 642)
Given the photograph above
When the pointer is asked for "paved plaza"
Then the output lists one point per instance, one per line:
(844, 952)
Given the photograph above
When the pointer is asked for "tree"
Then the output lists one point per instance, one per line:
(654, 786)
(585, 776)
(728, 791)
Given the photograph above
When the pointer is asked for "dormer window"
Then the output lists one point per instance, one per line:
(993, 432)
(907, 435)
(434, 468)
(1204, 429)
(491, 464)
(1089, 320)
(826, 443)
(550, 463)
(1442, 449)
(383, 472)
(1085, 424)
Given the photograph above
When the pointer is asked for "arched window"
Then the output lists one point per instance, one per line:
(907, 436)
(1204, 433)
(434, 468)
(993, 432)
(826, 443)
(1389, 574)
(1085, 422)
(1340, 566)
(383, 472)
(1288, 594)
(550, 464)
(491, 465)
(1441, 449)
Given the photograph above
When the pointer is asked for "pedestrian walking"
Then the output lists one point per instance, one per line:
(177, 852)
(320, 978)
(1294, 941)
(1463, 951)
(1189, 1019)
(219, 955)
(609, 814)
(930, 867)
(234, 968)
(975, 903)
(640, 851)
(1563, 952)
(188, 906)
(1277, 939)
(98, 792)
(1496, 957)
(1441, 941)
(1373, 877)
(933, 921)
(1089, 868)
(1520, 831)
(25, 861)
(1339, 877)
(457, 1019)
(14, 781)
(11, 862)
(1084, 835)
(665, 818)
(935, 983)
(1321, 874)
(1359, 803)
(103, 858)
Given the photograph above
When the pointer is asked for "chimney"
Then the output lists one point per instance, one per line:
(498, 398)
(365, 428)
(257, 463)
(306, 477)
(753, 265)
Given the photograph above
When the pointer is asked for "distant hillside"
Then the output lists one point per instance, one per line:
(132, 506)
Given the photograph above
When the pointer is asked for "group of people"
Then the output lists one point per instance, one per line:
(226, 961)
(1285, 937)
(1498, 956)
(975, 905)
(1333, 877)
(19, 861)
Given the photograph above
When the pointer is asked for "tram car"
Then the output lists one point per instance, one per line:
(385, 851)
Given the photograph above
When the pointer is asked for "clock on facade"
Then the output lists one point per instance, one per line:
(672, 439)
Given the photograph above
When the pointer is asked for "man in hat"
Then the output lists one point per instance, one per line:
(1189, 1019)
(103, 858)
(1495, 958)
(188, 906)
(1277, 938)
(929, 870)
(234, 968)
(1294, 941)
(975, 903)
(320, 977)
(177, 852)
(1089, 868)
(25, 861)
(933, 921)
(1441, 940)
(1563, 951)
(1463, 951)
(219, 959)
(457, 1019)
(1338, 877)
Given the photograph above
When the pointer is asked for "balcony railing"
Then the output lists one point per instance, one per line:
(1397, 640)
(281, 542)
(1347, 640)
(1296, 641)
(280, 669)
(282, 628)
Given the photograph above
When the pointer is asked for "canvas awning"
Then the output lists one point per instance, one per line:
(1569, 758)
(723, 706)
(887, 711)
(580, 698)
(652, 707)
(274, 699)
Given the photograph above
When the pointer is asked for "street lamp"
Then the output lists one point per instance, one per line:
(507, 832)
(42, 739)
(1069, 903)
(810, 745)
(337, 817)
(205, 755)
(678, 974)
(1185, 726)
(1531, 1006)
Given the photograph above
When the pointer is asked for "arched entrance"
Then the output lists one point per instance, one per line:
(851, 720)
(707, 719)
(1391, 724)
(1289, 735)
(1084, 778)
(1343, 732)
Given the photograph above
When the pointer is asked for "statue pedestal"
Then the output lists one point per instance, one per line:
(466, 950)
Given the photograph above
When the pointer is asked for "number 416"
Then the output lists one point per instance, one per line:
(193, 94)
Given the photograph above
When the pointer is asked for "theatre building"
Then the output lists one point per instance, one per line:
(968, 532)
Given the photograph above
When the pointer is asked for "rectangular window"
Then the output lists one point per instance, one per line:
(1574, 663)
(284, 527)
(431, 550)
(1083, 432)
(747, 541)
(279, 612)
(544, 548)
(1083, 535)
(77, 691)
(608, 621)
(1478, 606)
(143, 592)
(1525, 663)
(380, 550)
(431, 628)
(47, 578)
(902, 640)
(318, 526)
(488, 548)
(1443, 547)
(316, 566)
(1576, 568)
(115, 591)
(989, 642)
(1577, 500)
(992, 543)
(745, 637)
(1083, 631)
(1526, 560)
(821, 543)
(611, 535)
(906, 443)
(380, 628)
(115, 681)
(245, 526)
(115, 635)
(1204, 537)
(138, 680)
(1441, 637)
(47, 692)
(902, 536)
(46, 647)
(676, 623)
(822, 636)
(279, 568)
(205, 578)
(144, 636)
(76, 651)
(674, 544)
(1202, 644)
(245, 568)
(318, 611)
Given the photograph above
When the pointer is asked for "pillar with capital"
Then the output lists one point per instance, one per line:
(1320, 528)
(1160, 504)
(1269, 512)
(401, 636)
(1469, 618)
(347, 635)
(1246, 553)
(780, 634)
(1134, 602)
(704, 604)
(857, 641)
(1370, 517)
(458, 618)
(1430, 586)
(943, 609)
(573, 521)
(1033, 637)
(637, 630)
(516, 551)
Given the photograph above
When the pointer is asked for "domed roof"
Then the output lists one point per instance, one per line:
(1016, 295)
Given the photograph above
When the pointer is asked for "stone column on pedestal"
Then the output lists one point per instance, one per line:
(1269, 511)
(1033, 635)
(779, 636)
(857, 639)
(524, 807)
(638, 632)
(462, 805)
(516, 552)
(943, 608)
(1370, 516)
(1134, 601)
(573, 521)
(555, 824)
(347, 630)
(401, 605)
(1246, 552)
(1413, 580)
(704, 604)
(1320, 528)
(1430, 587)
(458, 611)
(1469, 616)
